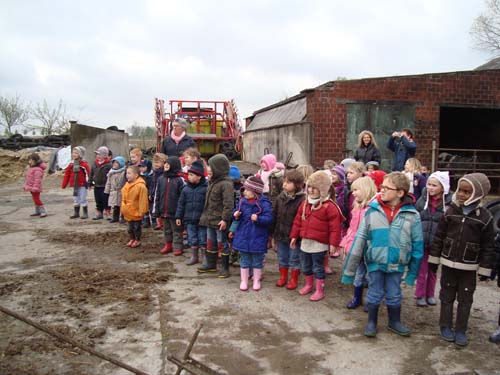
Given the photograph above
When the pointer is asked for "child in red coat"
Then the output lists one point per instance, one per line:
(317, 224)
(33, 182)
(77, 176)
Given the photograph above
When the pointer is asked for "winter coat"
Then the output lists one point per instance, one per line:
(430, 220)
(167, 196)
(418, 185)
(34, 176)
(403, 149)
(114, 184)
(275, 185)
(148, 179)
(497, 249)
(387, 247)
(170, 148)
(219, 202)
(191, 202)
(322, 225)
(99, 173)
(83, 175)
(465, 241)
(366, 154)
(356, 217)
(157, 173)
(252, 236)
(340, 197)
(135, 202)
(284, 213)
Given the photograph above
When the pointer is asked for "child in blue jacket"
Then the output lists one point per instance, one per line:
(389, 239)
(253, 217)
(190, 207)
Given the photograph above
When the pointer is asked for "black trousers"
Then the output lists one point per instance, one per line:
(135, 230)
(101, 199)
(459, 285)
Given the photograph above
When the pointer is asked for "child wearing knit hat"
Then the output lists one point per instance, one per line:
(252, 216)
(98, 178)
(431, 206)
(77, 175)
(463, 245)
(317, 224)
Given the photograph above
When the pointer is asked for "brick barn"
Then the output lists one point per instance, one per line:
(451, 111)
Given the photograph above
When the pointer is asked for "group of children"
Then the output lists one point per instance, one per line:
(388, 227)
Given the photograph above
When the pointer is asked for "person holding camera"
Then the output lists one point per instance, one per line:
(403, 146)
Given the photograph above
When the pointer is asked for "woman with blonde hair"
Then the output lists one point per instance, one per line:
(367, 148)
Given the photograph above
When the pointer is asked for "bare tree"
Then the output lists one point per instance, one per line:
(485, 30)
(13, 112)
(52, 120)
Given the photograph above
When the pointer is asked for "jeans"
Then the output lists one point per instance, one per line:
(252, 260)
(172, 233)
(288, 257)
(426, 281)
(384, 284)
(101, 199)
(313, 263)
(217, 240)
(361, 278)
(135, 230)
(196, 235)
(80, 199)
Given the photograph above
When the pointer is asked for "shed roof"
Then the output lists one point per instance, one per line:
(291, 112)
(490, 65)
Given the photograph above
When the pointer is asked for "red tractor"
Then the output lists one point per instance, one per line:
(214, 125)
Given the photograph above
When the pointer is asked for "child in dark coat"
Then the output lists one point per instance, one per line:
(190, 207)
(168, 192)
(495, 337)
(159, 161)
(253, 216)
(463, 244)
(98, 178)
(145, 167)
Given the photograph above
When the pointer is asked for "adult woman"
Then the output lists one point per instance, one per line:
(367, 148)
(178, 141)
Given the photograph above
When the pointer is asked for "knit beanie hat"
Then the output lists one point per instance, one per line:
(234, 172)
(146, 163)
(120, 161)
(347, 162)
(102, 151)
(197, 168)
(81, 151)
(269, 161)
(254, 184)
(444, 180)
(480, 186)
(322, 181)
(340, 171)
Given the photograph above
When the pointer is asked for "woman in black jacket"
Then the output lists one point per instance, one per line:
(367, 148)
(178, 141)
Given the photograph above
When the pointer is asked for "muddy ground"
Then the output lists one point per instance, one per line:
(77, 277)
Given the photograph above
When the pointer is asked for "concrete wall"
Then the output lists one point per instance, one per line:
(280, 141)
(92, 138)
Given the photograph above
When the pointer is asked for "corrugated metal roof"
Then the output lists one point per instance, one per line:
(490, 65)
(289, 113)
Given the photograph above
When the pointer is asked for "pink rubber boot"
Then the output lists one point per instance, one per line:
(257, 275)
(309, 285)
(244, 272)
(319, 294)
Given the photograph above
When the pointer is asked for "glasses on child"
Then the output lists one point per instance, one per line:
(383, 187)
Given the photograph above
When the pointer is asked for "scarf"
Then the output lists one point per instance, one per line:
(76, 170)
(99, 163)
(176, 138)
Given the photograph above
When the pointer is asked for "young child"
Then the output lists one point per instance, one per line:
(134, 205)
(354, 171)
(159, 161)
(329, 164)
(235, 175)
(389, 239)
(98, 178)
(495, 336)
(167, 196)
(33, 183)
(431, 206)
(189, 209)
(417, 180)
(146, 173)
(276, 182)
(217, 213)
(363, 191)
(318, 225)
(114, 184)
(135, 156)
(254, 215)
(267, 164)
(77, 176)
(463, 244)
(424, 171)
(372, 166)
(306, 170)
(287, 204)
(190, 156)
(338, 182)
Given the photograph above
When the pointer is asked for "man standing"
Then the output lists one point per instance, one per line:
(403, 146)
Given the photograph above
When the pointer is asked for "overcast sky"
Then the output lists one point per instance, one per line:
(108, 60)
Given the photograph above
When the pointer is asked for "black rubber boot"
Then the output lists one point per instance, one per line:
(395, 325)
(85, 214)
(358, 296)
(116, 214)
(76, 214)
(194, 256)
(224, 272)
(211, 265)
(371, 327)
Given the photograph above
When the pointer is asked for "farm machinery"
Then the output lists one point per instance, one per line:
(213, 125)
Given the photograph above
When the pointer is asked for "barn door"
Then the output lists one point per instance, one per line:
(381, 120)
